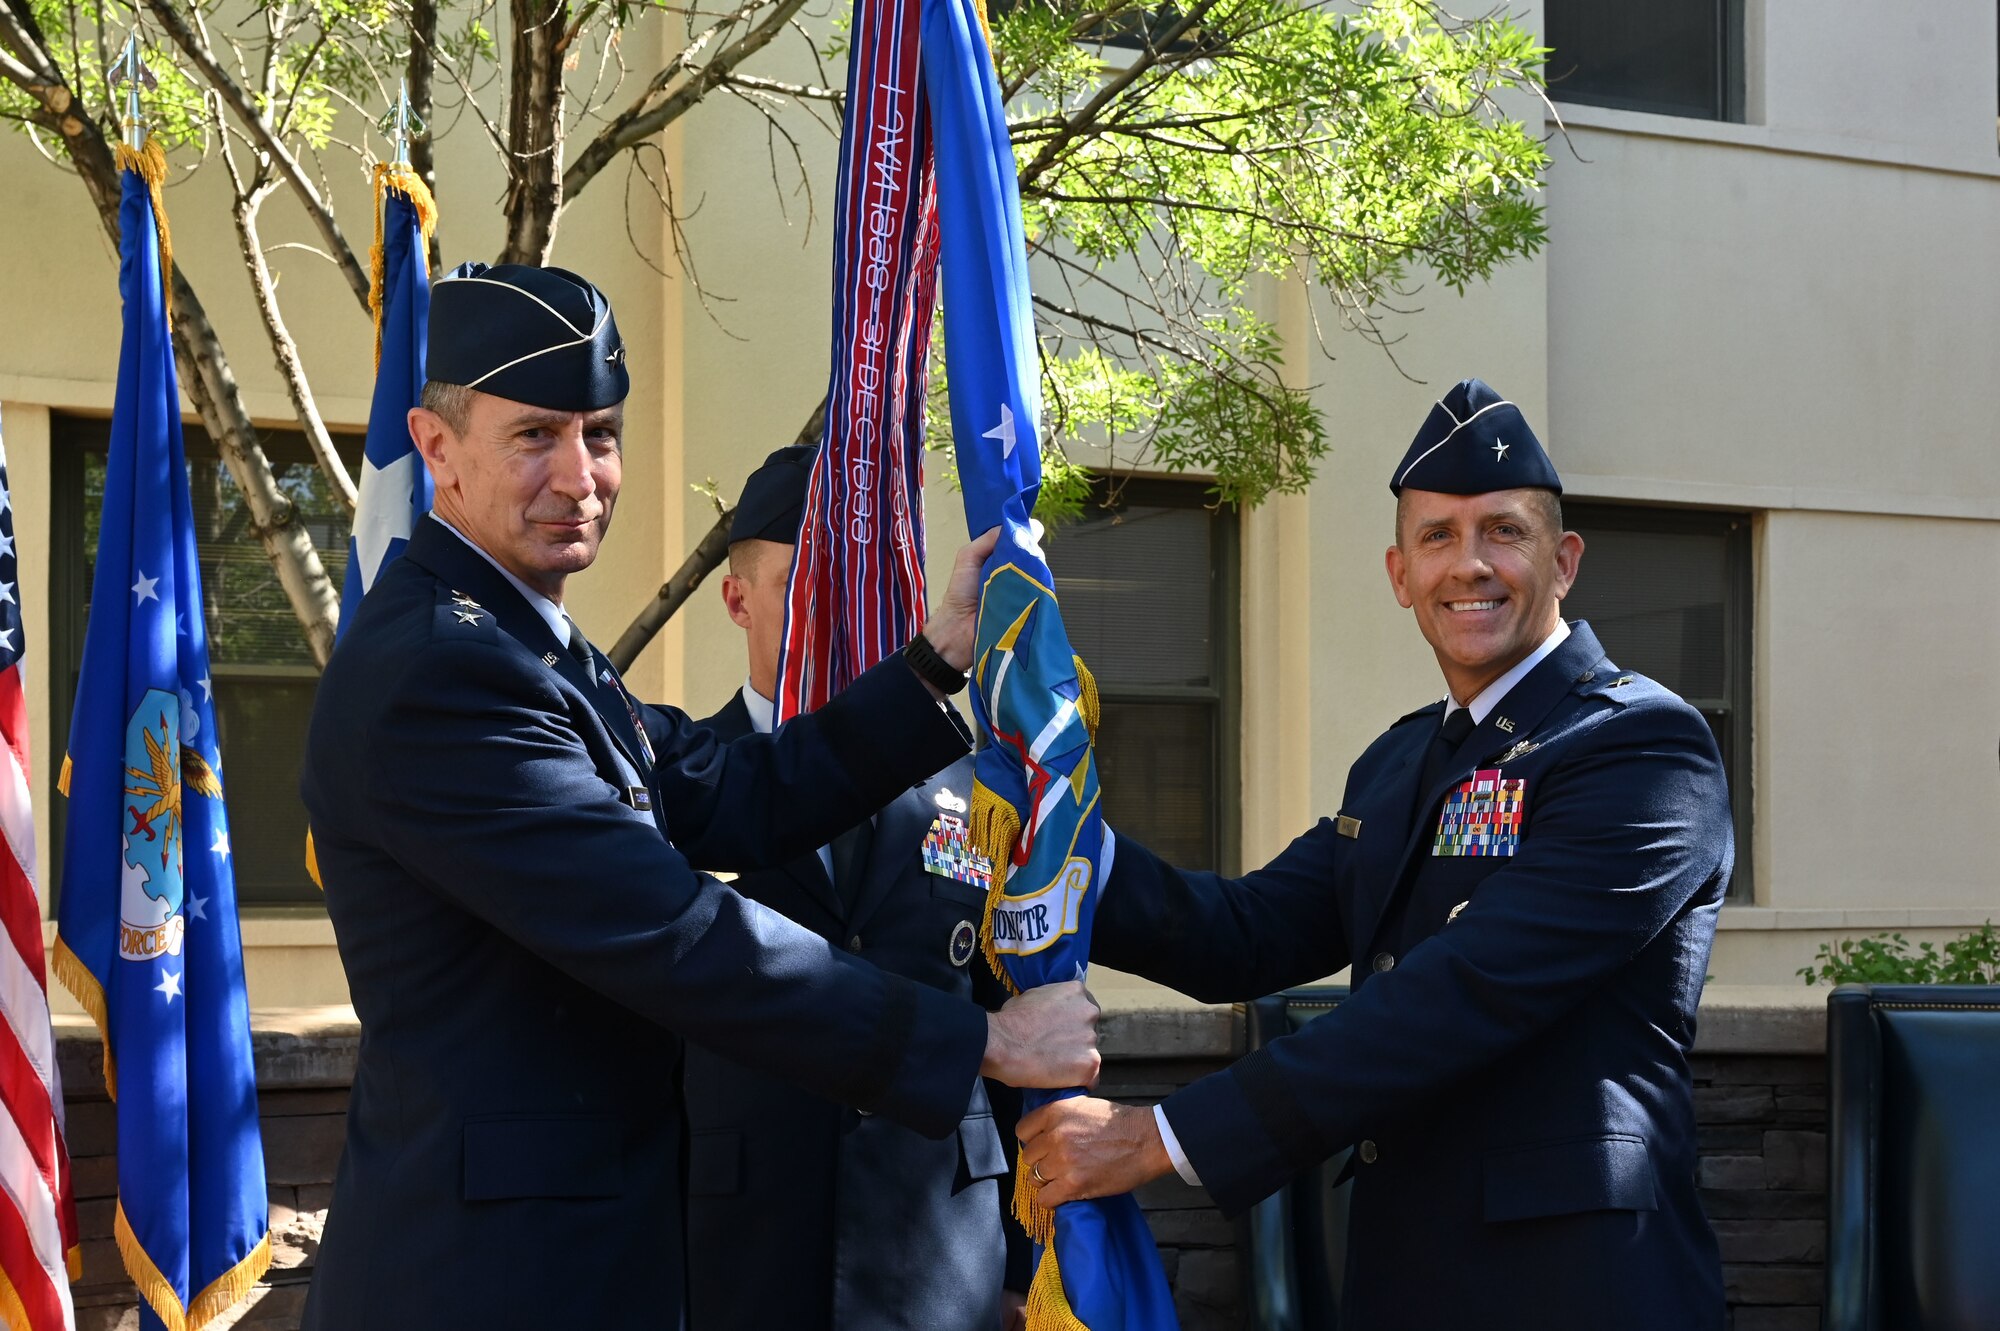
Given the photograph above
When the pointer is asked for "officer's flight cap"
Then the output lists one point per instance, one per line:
(774, 498)
(1474, 442)
(543, 336)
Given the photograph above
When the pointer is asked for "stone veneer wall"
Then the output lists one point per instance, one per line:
(1760, 1096)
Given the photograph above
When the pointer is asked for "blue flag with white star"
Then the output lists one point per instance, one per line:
(147, 936)
(395, 490)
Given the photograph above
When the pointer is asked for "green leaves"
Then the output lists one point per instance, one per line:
(1364, 150)
(1971, 958)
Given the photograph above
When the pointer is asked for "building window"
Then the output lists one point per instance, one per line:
(1146, 581)
(1668, 593)
(1670, 57)
(263, 673)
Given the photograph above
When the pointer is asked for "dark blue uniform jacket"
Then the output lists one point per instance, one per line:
(873, 1225)
(526, 942)
(1513, 1064)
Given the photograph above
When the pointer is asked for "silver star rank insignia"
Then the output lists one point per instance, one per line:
(1500, 448)
(460, 598)
(467, 616)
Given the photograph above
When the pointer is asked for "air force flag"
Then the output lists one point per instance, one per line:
(147, 937)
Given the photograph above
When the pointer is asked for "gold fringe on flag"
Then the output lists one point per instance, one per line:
(402, 178)
(13, 1315)
(151, 164)
(995, 827)
(155, 1288)
(76, 978)
(1048, 1304)
(1086, 696)
(1038, 1220)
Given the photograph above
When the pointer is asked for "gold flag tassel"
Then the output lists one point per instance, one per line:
(151, 164)
(1087, 705)
(1048, 1304)
(402, 178)
(995, 827)
(1038, 1220)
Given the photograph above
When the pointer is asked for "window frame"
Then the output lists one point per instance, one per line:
(1224, 692)
(69, 590)
(1732, 41)
(1738, 637)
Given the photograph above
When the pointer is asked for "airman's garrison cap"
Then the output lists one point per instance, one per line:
(1475, 441)
(543, 336)
(774, 498)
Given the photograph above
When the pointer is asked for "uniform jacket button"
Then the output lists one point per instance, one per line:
(1368, 1152)
(1383, 962)
(854, 943)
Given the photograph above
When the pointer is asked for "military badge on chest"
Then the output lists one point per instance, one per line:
(948, 848)
(1482, 816)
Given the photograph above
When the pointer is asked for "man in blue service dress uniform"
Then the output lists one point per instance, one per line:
(875, 1226)
(509, 844)
(1525, 878)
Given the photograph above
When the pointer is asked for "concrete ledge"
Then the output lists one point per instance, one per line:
(296, 1049)
(1735, 1019)
(303, 1049)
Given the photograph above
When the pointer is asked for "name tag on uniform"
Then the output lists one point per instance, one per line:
(1482, 816)
(1347, 827)
(639, 798)
(948, 851)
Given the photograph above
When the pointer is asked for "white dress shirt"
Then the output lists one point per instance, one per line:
(1480, 707)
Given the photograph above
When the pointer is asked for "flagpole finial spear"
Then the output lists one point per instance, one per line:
(131, 70)
(401, 124)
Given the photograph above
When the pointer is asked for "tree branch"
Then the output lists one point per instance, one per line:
(283, 348)
(268, 142)
(534, 130)
(1085, 120)
(419, 73)
(645, 118)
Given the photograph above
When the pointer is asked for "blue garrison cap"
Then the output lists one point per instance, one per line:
(543, 336)
(1475, 441)
(774, 498)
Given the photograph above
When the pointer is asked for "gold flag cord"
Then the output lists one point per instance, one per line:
(151, 164)
(402, 178)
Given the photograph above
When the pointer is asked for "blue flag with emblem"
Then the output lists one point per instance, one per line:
(1036, 815)
(395, 490)
(147, 936)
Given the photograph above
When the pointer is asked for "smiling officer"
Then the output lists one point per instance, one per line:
(1525, 877)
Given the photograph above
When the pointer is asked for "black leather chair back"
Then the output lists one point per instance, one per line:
(1913, 1184)
(1294, 1242)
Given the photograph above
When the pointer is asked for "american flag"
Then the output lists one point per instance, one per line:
(37, 1210)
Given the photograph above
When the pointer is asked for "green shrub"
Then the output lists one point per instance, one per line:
(1971, 958)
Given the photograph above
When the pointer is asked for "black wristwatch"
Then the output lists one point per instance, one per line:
(933, 669)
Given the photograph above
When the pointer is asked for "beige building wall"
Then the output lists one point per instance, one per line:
(1794, 317)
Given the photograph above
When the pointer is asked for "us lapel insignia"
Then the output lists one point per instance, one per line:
(1482, 816)
(1525, 746)
(964, 938)
(548, 658)
(1455, 910)
(1505, 726)
(1346, 826)
(947, 801)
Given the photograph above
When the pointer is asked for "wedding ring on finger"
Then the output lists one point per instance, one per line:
(1036, 1171)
